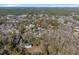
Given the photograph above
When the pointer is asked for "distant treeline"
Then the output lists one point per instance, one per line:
(38, 10)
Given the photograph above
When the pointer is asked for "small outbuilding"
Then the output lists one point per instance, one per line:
(28, 45)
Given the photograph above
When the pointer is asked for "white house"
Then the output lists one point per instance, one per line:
(28, 45)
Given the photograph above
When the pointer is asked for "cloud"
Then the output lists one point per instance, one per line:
(11, 5)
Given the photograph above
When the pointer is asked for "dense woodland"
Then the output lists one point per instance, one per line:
(39, 31)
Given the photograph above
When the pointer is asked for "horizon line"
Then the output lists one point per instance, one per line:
(39, 5)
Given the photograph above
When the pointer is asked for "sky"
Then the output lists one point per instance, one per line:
(39, 3)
